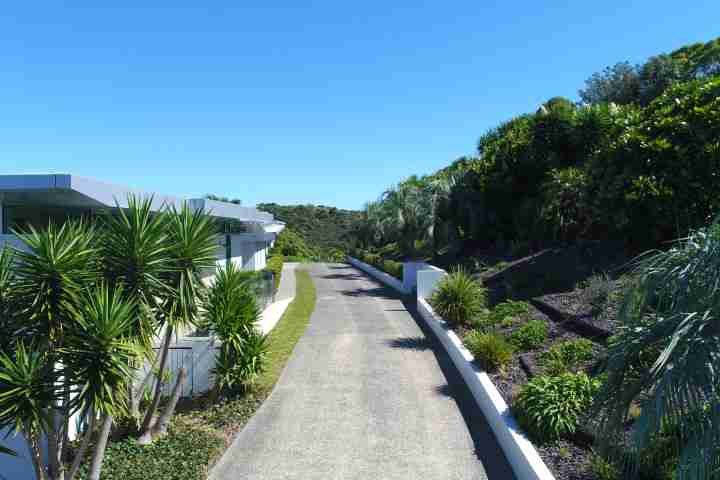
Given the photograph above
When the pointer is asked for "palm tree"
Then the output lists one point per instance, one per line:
(666, 357)
(192, 243)
(70, 357)
(51, 276)
(135, 253)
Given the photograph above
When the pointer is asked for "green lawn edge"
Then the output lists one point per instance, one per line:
(288, 331)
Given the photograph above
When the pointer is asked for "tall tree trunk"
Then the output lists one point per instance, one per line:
(80, 454)
(148, 421)
(56, 442)
(34, 449)
(159, 429)
(136, 394)
(99, 452)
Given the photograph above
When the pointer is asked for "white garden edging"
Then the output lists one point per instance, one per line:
(385, 278)
(520, 452)
(272, 315)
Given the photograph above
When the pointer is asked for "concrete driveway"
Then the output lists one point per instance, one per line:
(365, 395)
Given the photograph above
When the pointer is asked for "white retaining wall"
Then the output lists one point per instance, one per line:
(520, 452)
(385, 278)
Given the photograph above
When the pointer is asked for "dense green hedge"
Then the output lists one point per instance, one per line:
(390, 267)
(275, 265)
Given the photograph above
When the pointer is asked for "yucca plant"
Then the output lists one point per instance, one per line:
(135, 252)
(192, 245)
(9, 304)
(459, 298)
(59, 263)
(98, 359)
(232, 313)
(666, 356)
(41, 388)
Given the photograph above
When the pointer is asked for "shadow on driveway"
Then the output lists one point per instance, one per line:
(486, 447)
(380, 292)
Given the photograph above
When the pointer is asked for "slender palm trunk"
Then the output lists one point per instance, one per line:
(149, 421)
(34, 449)
(56, 442)
(136, 394)
(99, 452)
(80, 454)
(161, 425)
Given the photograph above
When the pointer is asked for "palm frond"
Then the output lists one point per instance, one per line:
(666, 357)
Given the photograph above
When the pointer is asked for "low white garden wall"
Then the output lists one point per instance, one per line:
(520, 452)
(385, 278)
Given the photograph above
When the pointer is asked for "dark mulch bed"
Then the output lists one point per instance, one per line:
(549, 280)
(567, 461)
(572, 307)
(509, 381)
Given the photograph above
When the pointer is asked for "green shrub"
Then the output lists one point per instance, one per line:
(550, 407)
(393, 268)
(274, 265)
(491, 350)
(459, 298)
(185, 453)
(530, 336)
(232, 312)
(505, 314)
(566, 356)
(596, 290)
(290, 244)
(372, 259)
(603, 469)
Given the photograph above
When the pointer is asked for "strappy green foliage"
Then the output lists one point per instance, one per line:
(99, 352)
(666, 357)
(134, 248)
(81, 304)
(231, 312)
(459, 298)
(192, 237)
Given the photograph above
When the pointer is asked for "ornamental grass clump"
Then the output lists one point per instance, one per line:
(551, 407)
(491, 350)
(459, 298)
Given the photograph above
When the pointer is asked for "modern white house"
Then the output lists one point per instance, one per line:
(37, 198)
(246, 235)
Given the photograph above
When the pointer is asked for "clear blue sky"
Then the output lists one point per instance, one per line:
(328, 103)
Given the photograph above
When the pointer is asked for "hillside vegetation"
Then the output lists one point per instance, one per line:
(635, 161)
(316, 231)
(611, 367)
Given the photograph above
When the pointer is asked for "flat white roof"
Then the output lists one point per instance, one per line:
(74, 191)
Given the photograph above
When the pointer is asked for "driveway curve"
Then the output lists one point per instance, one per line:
(363, 396)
